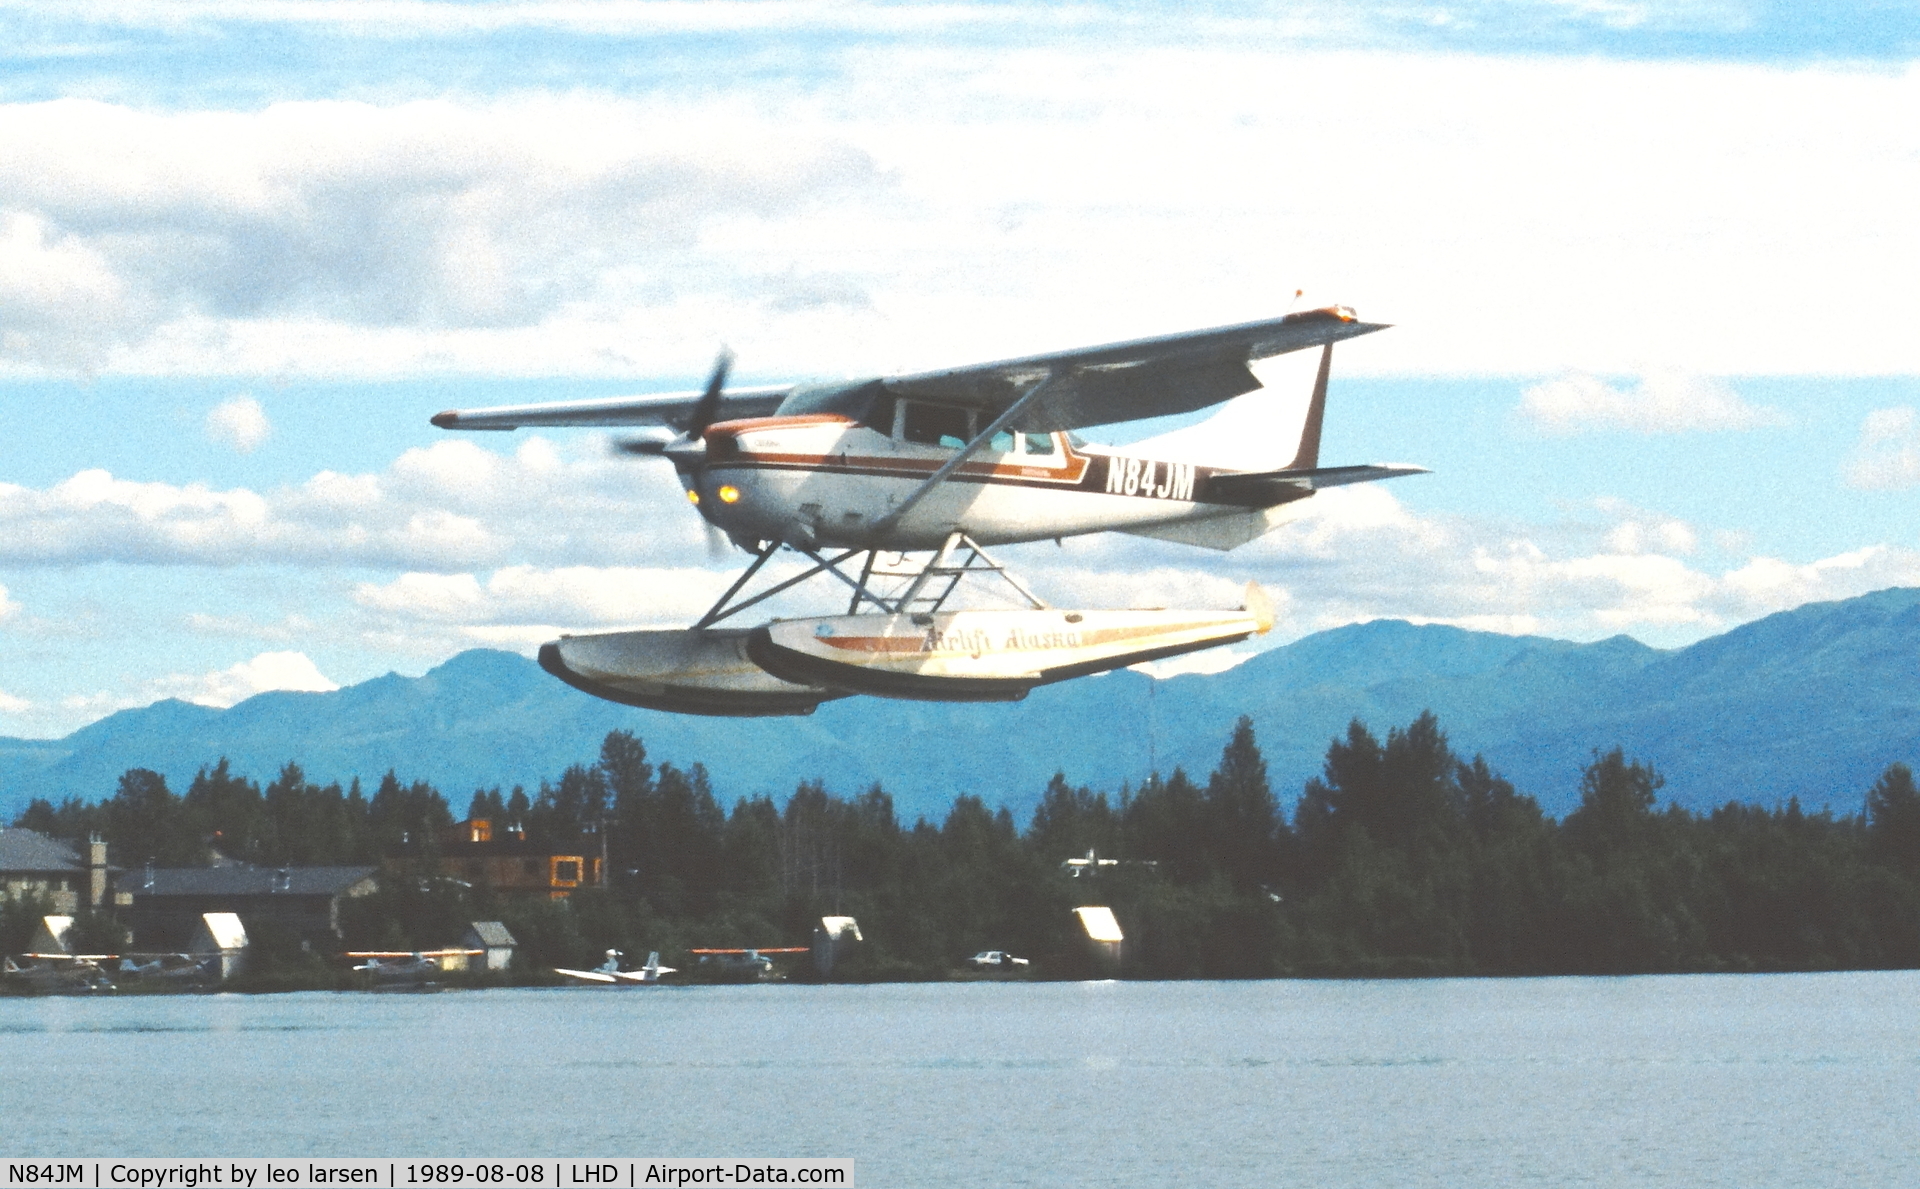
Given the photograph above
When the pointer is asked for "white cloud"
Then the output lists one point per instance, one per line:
(1887, 457)
(267, 671)
(1357, 554)
(239, 422)
(1210, 660)
(12, 705)
(1561, 214)
(539, 600)
(219, 688)
(133, 228)
(449, 507)
(1662, 402)
(8, 607)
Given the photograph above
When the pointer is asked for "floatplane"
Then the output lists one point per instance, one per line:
(609, 974)
(750, 965)
(859, 477)
(399, 967)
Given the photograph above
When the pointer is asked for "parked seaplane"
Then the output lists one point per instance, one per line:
(609, 974)
(750, 965)
(858, 476)
(393, 967)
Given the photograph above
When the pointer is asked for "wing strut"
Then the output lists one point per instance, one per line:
(1308, 456)
(882, 526)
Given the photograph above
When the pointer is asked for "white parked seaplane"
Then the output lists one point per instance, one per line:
(858, 476)
(609, 974)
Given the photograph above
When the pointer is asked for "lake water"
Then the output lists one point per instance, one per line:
(1745, 1080)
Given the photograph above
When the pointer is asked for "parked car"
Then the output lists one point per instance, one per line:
(995, 960)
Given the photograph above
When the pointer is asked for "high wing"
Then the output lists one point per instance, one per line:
(666, 408)
(1177, 373)
(1155, 377)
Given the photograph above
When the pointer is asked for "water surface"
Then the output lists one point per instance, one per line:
(1742, 1080)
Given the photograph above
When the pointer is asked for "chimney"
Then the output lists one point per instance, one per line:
(96, 871)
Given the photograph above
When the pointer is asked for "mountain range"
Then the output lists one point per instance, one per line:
(1811, 703)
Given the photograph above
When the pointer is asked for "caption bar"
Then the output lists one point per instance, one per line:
(626, 1173)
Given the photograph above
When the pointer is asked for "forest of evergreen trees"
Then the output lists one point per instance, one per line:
(1402, 859)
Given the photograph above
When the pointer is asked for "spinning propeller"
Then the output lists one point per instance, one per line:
(688, 451)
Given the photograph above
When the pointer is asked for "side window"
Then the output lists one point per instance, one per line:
(1039, 443)
(932, 425)
(880, 415)
(1000, 443)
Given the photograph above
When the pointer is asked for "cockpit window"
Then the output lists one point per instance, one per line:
(868, 402)
(933, 425)
(1039, 443)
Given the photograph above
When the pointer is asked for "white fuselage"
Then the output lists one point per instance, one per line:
(824, 480)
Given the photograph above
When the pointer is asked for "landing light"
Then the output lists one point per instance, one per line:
(728, 493)
(693, 497)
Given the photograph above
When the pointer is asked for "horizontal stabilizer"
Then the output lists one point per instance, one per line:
(1260, 488)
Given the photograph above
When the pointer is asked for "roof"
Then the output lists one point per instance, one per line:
(30, 850)
(491, 934)
(838, 928)
(241, 880)
(1098, 921)
(51, 936)
(224, 930)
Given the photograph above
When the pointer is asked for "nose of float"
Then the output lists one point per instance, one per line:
(1259, 605)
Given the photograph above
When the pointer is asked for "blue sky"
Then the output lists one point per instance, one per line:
(1650, 269)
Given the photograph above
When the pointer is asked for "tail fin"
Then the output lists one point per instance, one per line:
(1308, 456)
(653, 960)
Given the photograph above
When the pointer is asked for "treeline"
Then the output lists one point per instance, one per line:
(1402, 858)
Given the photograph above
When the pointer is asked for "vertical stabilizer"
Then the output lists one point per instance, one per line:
(1309, 454)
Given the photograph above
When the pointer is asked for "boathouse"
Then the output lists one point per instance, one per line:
(165, 906)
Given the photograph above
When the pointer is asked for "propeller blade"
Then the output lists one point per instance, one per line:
(719, 545)
(644, 447)
(706, 412)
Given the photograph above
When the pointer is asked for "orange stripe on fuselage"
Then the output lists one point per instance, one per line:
(913, 468)
(748, 424)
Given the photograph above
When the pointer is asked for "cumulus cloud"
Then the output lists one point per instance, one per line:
(426, 215)
(464, 543)
(219, 688)
(239, 422)
(12, 705)
(8, 607)
(585, 596)
(859, 210)
(1357, 554)
(1662, 402)
(267, 671)
(449, 507)
(1887, 457)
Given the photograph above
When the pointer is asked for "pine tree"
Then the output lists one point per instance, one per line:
(1893, 819)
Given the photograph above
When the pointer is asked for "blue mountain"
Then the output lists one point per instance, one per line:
(1811, 703)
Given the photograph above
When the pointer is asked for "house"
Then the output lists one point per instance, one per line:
(495, 943)
(221, 935)
(165, 906)
(505, 861)
(833, 939)
(32, 864)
